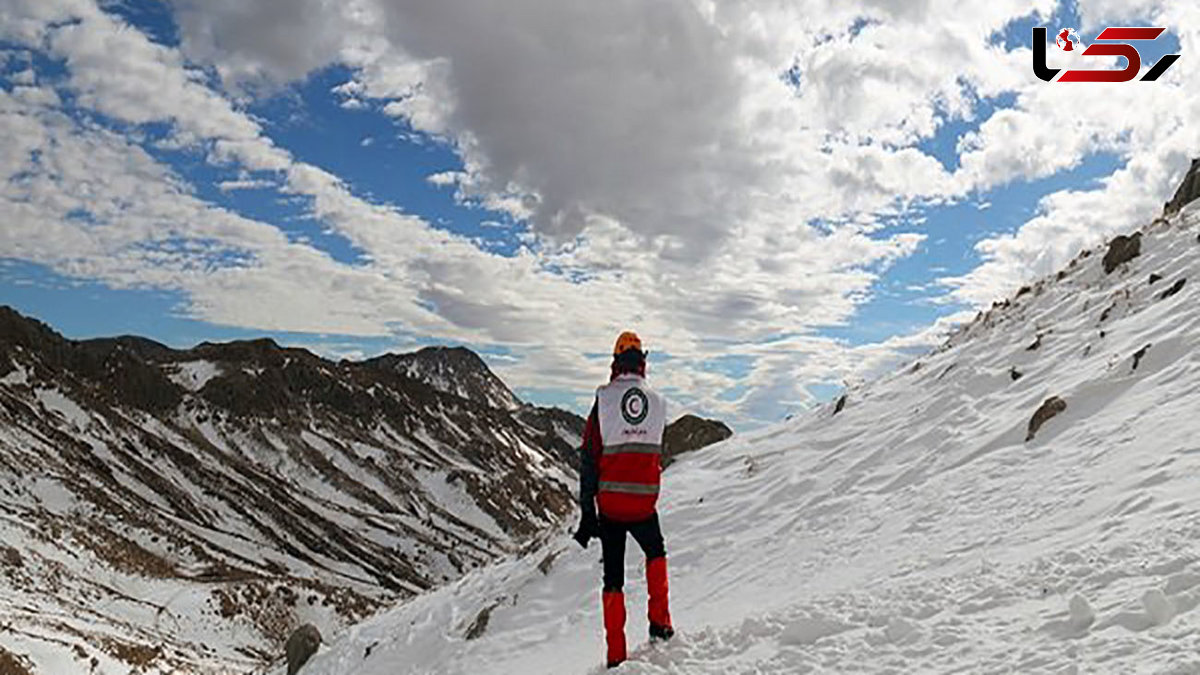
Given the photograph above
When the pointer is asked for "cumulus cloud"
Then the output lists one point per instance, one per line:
(267, 42)
(713, 173)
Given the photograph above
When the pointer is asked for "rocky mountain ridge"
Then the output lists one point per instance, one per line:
(452, 370)
(183, 509)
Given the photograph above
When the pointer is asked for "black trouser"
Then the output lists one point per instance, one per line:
(646, 533)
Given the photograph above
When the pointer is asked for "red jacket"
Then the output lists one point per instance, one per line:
(622, 472)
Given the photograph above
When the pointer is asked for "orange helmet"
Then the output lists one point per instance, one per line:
(627, 341)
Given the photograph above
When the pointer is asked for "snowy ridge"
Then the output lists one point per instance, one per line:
(169, 511)
(916, 530)
(453, 370)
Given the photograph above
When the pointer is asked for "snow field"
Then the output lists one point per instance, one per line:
(915, 532)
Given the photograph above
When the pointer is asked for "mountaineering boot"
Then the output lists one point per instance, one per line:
(659, 614)
(661, 633)
(614, 626)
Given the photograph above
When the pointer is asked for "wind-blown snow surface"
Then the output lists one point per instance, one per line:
(915, 531)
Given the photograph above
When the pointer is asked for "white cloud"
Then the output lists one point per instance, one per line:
(266, 42)
(245, 183)
(446, 178)
(673, 181)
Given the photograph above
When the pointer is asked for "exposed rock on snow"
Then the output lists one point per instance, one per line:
(1174, 289)
(452, 370)
(1137, 356)
(11, 665)
(1187, 192)
(11, 557)
(479, 626)
(840, 405)
(1121, 250)
(1049, 409)
(690, 433)
(301, 645)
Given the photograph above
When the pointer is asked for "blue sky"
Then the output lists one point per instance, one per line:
(381, 147)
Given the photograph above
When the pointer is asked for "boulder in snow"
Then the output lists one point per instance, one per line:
(11, 557)
(690, 433)
(302, 644)
(479, 626)
(1121, 250)
(1137, 356)
(841, 404)
(11, 665)
(1187, 192)
(1049, 409)
(1175, 288)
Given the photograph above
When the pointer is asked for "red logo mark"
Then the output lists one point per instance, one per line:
(1133, 59)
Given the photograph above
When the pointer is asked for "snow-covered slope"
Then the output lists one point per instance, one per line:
(182, 511)
(917, 530)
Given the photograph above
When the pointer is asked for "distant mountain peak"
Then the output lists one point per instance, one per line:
(453, 370)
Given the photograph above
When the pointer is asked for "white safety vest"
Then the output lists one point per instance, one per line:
(632, 416)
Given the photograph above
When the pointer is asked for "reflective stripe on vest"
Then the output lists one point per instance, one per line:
(633, 448)
(632, 419)
(629, 488)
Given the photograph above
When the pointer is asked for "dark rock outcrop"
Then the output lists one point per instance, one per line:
(1121, 250)
(11, 665)
(690, 433)
(480, 625)
(555, 429)
(1175, 288)
(302, 644)
(114, 364)
(1048, 410)
(452, 370)
(841, 403)
(1187, 192)
(1139, 355)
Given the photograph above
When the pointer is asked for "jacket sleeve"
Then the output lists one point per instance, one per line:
(589, 459)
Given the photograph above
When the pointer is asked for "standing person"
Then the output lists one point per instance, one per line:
(618, 489)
